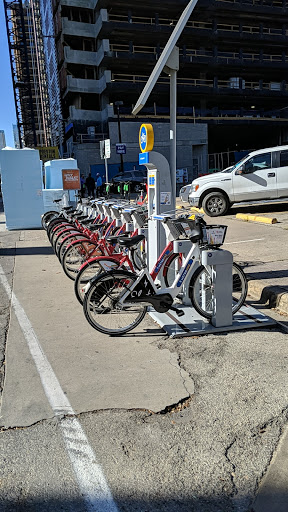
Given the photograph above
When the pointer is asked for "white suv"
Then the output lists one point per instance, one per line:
(260, 175)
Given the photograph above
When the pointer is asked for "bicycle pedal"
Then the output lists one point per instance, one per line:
(179, 312)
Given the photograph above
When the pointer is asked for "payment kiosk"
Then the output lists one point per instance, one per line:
(160, 199)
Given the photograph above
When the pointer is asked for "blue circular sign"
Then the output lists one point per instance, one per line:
(143, 138)
(146, 138)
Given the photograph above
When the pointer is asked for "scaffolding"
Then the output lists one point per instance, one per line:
(23, 24)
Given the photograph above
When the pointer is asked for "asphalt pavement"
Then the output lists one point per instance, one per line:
(142, 422)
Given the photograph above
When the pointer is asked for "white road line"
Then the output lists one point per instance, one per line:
(88, 472)
(244, 241)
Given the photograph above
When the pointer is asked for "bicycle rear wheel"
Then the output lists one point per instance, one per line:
(201, 290)
(92, 268)
(64, 240)
(61, 234)
(101, 304)
(59, 228)
(53, 223)
(76, 254)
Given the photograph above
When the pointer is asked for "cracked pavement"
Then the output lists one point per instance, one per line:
(187, 424)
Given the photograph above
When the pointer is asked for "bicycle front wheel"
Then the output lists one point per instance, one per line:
(61, 247)
(201, 290)
(76, 254)
(102, 308)
(47, 217)
(171, 268)
(92, 268)
(139, 257)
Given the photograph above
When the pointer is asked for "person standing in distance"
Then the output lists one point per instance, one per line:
(90, 184)
(82, 183)
(98, 185)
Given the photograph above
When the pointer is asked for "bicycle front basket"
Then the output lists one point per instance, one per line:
(214, 235)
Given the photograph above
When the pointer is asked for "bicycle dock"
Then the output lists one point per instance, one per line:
(220, 267)
(217, 261)
(192, 324)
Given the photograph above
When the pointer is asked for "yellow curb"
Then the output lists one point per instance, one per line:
(256, 218)
(191, 208)
(194, 209)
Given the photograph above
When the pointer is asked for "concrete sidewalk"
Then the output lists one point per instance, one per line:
(133, 358)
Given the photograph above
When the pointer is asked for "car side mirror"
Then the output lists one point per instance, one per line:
(239, 171)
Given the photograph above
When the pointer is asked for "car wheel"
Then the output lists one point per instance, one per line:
(137, 188)
(215, 204)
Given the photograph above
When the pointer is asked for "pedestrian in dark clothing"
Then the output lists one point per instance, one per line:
(90, 185)
(82, 182)
(103, 185)
(98, 185)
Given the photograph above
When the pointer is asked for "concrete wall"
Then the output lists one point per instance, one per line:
(192, 147)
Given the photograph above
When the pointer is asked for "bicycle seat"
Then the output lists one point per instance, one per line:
(93, 227)
(81, 217)
(97, 226)
(130, 242)
(86, 221)
(112, 239)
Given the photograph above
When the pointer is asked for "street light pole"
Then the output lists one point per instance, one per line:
(118, 104)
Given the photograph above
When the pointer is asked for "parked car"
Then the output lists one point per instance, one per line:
(184, 192)
(260, 175)
(136, 177)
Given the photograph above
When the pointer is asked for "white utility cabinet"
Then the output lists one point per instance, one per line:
(21, 181)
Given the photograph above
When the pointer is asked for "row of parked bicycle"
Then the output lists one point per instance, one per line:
(102, 247)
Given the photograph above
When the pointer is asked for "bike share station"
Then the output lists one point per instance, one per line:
(218, 261)
(162, 199)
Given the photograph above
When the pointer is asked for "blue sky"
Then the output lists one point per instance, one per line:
(7, 106)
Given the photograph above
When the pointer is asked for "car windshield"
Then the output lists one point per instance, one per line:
(230, 169)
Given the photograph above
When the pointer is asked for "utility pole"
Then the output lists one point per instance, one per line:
(169, 58)
(118, 104)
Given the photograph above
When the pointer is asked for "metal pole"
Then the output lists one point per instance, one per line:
(120, 138)
(173, 134)
(106, 170)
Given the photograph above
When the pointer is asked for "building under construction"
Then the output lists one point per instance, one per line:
(232, 77)
(25, 42)
(233, 57)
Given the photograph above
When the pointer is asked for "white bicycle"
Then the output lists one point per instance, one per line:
(116, 302)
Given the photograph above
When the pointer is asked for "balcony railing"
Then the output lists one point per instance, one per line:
(203, 25)
(225, 57)
(84, 138)
(265, 3)
(233, 83)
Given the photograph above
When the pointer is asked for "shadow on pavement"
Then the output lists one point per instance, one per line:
(259, 208)
(272, 274)
(193, 504)
(26, 251)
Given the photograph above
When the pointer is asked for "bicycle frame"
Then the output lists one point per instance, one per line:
(144, 288)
